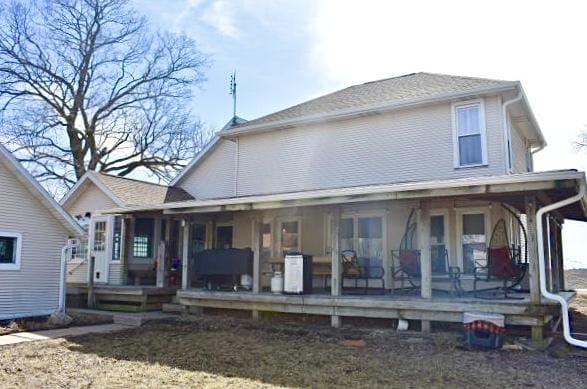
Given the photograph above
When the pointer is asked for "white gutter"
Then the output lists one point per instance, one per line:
(540, 148)
(362, 190)
(63, 278)
(507, 128)
(542, 263)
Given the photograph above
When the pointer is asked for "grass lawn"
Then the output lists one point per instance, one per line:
(219, 352)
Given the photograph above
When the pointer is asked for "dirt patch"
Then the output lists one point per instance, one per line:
(214, 351)
(41, 323)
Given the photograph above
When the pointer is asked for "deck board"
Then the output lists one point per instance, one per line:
(517, 312)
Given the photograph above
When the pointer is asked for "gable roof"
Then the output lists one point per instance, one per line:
(127, 191)
(370, 97)
(387, 93)
(40, 193)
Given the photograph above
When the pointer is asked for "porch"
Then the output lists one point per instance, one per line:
(519, 312)
(129, 298)
(456, 217)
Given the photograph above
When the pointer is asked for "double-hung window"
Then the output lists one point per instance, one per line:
(469, 126)
(10, 245)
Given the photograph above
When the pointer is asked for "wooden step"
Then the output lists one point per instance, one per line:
(171, 307)
(129, 320)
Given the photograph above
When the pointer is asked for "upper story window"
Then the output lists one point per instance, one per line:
(469, 128)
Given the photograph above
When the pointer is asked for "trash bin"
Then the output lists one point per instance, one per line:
(484, 330)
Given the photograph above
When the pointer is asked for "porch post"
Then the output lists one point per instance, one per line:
(185, 270)
(125, 245)
(335, 279)
(530, 203)
(424, 246)
(160, 276)
(210, 233)
(161, 261)
(168, 256)
(425, 255)
(256, 245)
(559, 252)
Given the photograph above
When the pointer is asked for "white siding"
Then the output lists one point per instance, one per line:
(519, 152)
(89, 200)
(35, 287)
(407, 145)
(115, 273)
(215, 176)
(77, 273)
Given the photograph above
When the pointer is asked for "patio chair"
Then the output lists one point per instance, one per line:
(407, 266)
(359, 269)
(504, 265)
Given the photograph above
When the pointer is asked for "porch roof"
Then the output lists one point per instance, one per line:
(548, 187)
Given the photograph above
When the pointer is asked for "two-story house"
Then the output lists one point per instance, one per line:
(410, 181)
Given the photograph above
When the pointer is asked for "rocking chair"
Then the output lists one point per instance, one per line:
(503, 264)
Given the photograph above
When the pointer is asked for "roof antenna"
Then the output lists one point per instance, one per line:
(233, 93)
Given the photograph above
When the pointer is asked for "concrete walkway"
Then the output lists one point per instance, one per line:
(21, 337)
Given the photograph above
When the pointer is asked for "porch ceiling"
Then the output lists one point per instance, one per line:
(548, 187)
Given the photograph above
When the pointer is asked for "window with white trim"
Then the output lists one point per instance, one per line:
(470, 147)
(10, 245)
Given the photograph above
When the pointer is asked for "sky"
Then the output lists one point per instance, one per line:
(285, 52)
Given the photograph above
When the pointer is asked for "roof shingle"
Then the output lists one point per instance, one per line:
(388, 91)
(136, 192)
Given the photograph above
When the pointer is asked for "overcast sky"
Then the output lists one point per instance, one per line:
(285, 52)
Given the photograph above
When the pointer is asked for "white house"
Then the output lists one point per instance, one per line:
(33, 230)
(440, 165)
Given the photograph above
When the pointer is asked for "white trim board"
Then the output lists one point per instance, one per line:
(17, 255)
(73, 193)
(366, 193)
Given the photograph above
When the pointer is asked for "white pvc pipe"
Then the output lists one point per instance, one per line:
(543, 290)
(63, 278)
(506, 127)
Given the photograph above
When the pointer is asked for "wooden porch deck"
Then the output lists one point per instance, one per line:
(443, 309)
(128, 298)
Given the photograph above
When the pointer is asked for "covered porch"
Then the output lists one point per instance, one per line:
(456, 217)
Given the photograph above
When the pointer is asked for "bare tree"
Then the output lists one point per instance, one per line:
(88, 85)
(580, 141)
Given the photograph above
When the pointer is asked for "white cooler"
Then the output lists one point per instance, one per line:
(293, 278)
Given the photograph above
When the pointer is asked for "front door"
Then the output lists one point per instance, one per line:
(99, 248)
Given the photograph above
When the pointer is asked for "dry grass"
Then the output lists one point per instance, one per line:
(576, 279)
(217, 351)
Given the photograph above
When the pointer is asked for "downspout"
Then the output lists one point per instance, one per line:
(542, 263)
(63, 278)
(236, 158)
(507, 130)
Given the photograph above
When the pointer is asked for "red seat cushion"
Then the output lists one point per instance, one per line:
(501, 264)
(409, 261)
